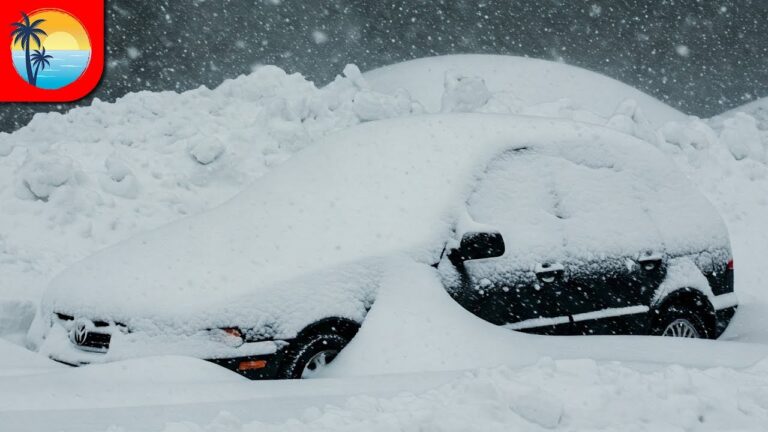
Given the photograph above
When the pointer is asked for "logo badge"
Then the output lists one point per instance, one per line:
(56, 50)
(79, 332)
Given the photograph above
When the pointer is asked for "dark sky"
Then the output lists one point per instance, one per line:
(702, 57)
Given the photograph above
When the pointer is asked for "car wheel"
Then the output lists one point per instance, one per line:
(677, 321)
(306, 358)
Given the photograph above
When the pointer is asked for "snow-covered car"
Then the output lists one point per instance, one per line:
(542, 225)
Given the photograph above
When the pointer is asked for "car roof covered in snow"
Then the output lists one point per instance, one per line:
(529, 81)
(389, 187)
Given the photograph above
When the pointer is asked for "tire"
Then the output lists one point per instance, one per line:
(679, 321)
(305, 356)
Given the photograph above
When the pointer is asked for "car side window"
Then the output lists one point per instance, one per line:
(550, 206)
(516, 195)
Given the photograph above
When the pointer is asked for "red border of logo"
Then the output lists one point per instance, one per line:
(13, 88)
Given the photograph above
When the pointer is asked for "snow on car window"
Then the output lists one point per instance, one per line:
(577, 201)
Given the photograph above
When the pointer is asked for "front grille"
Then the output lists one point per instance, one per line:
(95, 341)
(88, 334)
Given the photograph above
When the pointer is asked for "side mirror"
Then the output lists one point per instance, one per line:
(479, 245)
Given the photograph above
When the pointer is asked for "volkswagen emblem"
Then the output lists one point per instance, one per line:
(79, 332)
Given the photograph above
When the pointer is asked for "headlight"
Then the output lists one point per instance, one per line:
(231, 336)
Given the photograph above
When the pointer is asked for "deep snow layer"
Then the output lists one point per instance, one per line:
(551, 394)
(75, 183)
(71, 184)
(537, 387)
(477, 82)
(758, 109)
(567, 395)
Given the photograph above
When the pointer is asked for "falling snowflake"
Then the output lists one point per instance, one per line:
(133, 52)
(683, 51)
(319, 37)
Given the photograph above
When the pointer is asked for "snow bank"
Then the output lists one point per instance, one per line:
(726, 158)
(409, 331)
(50, 221)
(16, 315)
(16, 360)
(73, 183)
(114, 384)
(569, 395)
(515, 85)
(757, 109)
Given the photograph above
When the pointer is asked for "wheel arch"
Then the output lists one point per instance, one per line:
(689, 298)
(343, 326)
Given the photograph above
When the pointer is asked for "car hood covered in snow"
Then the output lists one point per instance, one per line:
(308, 238)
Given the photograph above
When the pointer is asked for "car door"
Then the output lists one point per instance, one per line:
(582, 256)
(614, 253)
(522, 289)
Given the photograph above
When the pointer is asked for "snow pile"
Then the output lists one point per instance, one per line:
(71, 184)
(464, 93)
(15, 316)
(742, 137)
(470, 82)
(411, 331)
(726, 158)
(16, 360)
(757, 109)
(569, 395)
(75, 183)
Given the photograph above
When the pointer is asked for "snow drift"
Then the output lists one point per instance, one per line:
(74, 183)
(473, 82)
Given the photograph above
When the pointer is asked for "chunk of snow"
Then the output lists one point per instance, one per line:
(43, 174)
(742, 137)
(464, 93)
(352, 72)
(119, 179)
(629, 118)
(369, 105)
(205, 150)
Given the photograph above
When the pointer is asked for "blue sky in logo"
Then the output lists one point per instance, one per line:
(66, 67)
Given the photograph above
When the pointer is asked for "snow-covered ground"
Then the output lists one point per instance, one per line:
(72, 184)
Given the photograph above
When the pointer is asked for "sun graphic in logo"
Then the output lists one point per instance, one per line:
(50, 48)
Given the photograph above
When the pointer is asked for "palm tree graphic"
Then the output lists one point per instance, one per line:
(27, 32)
(40, 61)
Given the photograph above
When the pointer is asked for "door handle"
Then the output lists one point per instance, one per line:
(650, 260)
(549, 272)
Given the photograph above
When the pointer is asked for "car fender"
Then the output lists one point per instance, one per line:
(682, 273)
